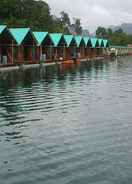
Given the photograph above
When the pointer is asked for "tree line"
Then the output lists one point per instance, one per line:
(37, 15)
(117, 37)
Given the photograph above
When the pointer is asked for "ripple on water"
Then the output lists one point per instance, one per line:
(72, 127)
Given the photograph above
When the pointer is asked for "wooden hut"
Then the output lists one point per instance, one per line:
(105, 43)
(94, 47)
(71, 45)
(45, 44)
(59, 45)
(6, 42)
(24, 46)
(87, 46)
(100, 48)
(80, 46)
(105, 46)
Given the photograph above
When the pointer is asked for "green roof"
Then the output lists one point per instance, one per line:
(93, 42)
(68, 39)
(40, 36)
(78, 40)
(86, 39)
(19, 34)
(2, 27)
(119, 46)
(56, 37)
(105, 42)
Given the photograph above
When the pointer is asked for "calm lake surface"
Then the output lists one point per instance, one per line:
(67, 124)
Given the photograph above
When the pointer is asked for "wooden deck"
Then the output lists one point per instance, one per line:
(33, 65)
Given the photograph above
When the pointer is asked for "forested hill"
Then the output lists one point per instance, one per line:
(37, 15)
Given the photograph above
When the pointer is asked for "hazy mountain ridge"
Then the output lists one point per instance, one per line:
(127, 27)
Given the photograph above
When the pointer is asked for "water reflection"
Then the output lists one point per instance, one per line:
(67, 124)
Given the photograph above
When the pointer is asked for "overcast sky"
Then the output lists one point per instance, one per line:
(95, 12)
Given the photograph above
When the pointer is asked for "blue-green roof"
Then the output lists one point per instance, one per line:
(78, 40)
(40, 36)
(105, 42)
(93, 42)
(55, 38)
(68, 39)
(86, 39)
(2, 27)
(19, 34)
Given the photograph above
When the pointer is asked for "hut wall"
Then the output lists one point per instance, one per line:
(82, 51)
(92, 52)
(37, 53)
(20, 54)
(0, 53)
(6, 49)
(78, 53)
(68, 53)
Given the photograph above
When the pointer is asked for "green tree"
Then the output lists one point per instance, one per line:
(30, 13)
(77, 26)
(120, 31)
(65, 21)
(109, 31)
(101, 32)
(65, 18)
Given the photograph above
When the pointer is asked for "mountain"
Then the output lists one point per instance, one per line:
(126, 27)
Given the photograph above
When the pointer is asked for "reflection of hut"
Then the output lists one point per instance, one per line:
(80, 46)
(59, 45)
(24, 47)
(6, 43)
(70, 47)
(44, 50)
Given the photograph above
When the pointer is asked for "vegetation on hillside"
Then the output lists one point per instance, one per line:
(117, 37)
(36, 14)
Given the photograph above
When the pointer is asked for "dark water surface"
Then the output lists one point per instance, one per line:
(67, 125)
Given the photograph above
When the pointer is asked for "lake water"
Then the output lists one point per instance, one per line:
(67, 124)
